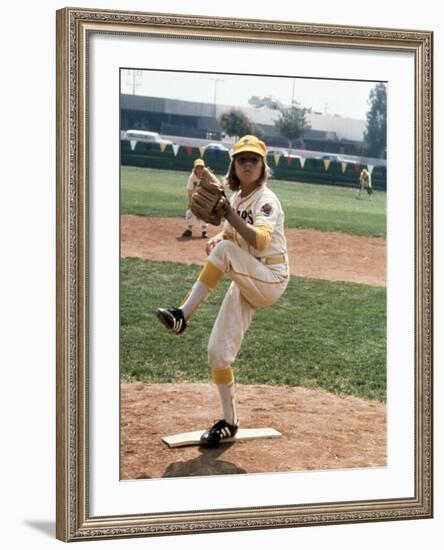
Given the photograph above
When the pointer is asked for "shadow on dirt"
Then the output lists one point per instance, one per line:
(208, 463)
(183, 239)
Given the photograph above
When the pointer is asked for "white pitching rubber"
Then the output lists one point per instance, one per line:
(193, 438)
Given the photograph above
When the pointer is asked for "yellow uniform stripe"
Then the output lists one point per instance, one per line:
(260, 280)
(210, 275)
(263, 236)
(228, 236)
(223, 376)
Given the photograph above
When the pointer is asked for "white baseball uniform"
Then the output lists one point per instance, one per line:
(190, 218)
(259, 276)
(365, 181)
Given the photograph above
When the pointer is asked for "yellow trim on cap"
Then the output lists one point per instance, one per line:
(223, 376)
(210, 275)
(198, 162)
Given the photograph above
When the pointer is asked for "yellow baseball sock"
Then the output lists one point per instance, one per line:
(224, 380)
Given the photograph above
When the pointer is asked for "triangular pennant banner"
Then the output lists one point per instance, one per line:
(356, 167)
(277, 158)
(289, 160)
(302, 161)
(133, 143)
(344, 166)
(326, 164)
(162, 146)
(370, 169)
(175, 149)
(202, 151)
(189, 150)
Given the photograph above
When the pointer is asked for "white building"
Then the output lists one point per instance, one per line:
(335, 125)
(344, 128)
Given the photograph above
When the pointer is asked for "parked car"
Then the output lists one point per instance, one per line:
(147, 137)
(216, 147)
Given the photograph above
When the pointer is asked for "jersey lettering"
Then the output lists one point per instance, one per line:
(246, 215)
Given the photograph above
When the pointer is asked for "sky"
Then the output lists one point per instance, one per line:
(344, 98)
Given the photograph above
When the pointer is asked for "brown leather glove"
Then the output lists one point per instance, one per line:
(208, 201)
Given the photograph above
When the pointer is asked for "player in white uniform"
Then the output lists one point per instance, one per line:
(365, 183)
(252, 251)
(190, 218)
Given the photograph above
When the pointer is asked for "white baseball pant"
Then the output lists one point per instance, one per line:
(254, 285)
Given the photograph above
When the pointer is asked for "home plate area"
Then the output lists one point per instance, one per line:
(315, 431)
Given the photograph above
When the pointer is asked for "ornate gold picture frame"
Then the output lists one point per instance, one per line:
(76, 516)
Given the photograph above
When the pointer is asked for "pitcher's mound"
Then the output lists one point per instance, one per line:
(320, 431)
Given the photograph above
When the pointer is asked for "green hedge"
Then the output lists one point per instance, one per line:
(149, 155)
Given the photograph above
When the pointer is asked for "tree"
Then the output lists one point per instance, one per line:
(236, 123)
(375, 135)
(292, 123)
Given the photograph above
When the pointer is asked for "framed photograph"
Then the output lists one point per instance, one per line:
(264, 362)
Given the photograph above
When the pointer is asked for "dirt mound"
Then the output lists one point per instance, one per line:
(319, 431)
(313, 254)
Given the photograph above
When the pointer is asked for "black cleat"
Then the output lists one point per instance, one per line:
(187, 233)
(221, 431)
(172, 319)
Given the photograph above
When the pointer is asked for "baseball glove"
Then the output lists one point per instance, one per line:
(208, 199)
(369, 190)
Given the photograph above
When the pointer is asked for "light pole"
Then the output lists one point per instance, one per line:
(135, 83)
(216, 81)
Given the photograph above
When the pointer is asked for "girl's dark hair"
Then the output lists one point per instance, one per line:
(233, 181)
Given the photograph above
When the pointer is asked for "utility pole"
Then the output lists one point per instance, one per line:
(216, 81)
(135, 83)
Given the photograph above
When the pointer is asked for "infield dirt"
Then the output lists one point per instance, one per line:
(313, 254)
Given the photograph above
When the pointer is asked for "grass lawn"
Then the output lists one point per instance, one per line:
(149, 192)
(320, 335)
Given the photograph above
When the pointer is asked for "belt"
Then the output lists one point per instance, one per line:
(273, 260)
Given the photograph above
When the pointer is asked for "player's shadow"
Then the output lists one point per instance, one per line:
(193, 238)
(208, 463)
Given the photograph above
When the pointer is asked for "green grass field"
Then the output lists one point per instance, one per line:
(320, 335)
(149, 192)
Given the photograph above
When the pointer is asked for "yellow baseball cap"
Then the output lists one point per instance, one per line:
(250, 144)
(198, 162)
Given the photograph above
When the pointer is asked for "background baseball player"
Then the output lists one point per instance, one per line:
(365, 182)
(252, 251)
(190, 218)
